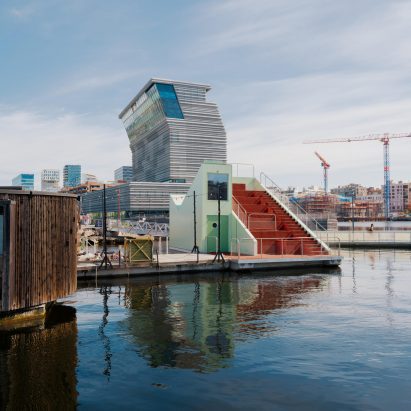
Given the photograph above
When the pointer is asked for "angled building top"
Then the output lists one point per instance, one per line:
(160, 81)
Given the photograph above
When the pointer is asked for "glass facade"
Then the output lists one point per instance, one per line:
(26, 181)
(124, 173)
(71, 175)
(168, 96)
(159, 101)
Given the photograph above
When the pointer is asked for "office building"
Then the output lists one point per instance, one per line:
(50, 180)
(172, 130)
(88, 178)
(71, 175)
(124, 173)
(25, 181)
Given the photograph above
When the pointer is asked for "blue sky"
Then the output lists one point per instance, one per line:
(281, 71)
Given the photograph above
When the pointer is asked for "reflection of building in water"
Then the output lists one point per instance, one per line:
(195, 325)
(38, 368)
(264, 297)
(186, 326)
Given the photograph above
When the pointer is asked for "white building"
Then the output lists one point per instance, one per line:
(88, 178)
(50, 180)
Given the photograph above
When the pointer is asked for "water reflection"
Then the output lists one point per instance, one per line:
(195, 324)
(38, 365)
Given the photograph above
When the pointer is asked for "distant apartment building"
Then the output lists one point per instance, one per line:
(87, 187)
(71, 175)
(50, 180)
(88, 178)
(400, 196)
(25, 181)
(124, 173)
(375, 198)
(350, 190)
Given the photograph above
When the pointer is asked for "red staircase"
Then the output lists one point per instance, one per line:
(275, 230)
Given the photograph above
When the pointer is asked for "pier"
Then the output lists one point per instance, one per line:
(375, 239)
(187, 263)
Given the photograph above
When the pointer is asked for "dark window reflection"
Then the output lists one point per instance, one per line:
(217, 183)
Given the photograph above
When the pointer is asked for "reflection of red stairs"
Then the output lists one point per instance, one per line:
(275, 230)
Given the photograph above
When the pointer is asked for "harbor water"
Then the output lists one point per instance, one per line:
(323, 340)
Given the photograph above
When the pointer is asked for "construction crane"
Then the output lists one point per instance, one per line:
(385, 139)
(325, 165)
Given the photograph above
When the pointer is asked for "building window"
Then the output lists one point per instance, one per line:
(168, 96)
(217, 183)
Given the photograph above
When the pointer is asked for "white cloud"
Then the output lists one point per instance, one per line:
(270, 131)
(32, 141)
(23, 12)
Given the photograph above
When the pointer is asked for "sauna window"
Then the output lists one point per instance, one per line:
(217, 182)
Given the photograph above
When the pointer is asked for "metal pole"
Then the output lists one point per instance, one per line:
(105, 261)
(219, 255)
(118, 210)
(195, 247)
(387, 188)
(352, 210)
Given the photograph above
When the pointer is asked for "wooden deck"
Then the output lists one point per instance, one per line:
(187, 263)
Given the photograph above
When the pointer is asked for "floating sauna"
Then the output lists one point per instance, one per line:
(38, 242)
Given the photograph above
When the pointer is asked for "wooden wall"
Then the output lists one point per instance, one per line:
(43, 249)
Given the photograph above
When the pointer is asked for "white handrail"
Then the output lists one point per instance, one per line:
(300, 212)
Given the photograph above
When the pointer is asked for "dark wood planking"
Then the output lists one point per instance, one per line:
(45, 248)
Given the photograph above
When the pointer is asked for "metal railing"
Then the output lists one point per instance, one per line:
(146, 228)
(294, 207)
(267, 222)
(370, 237)
(281, 246)
(237, 166)
(240, 211)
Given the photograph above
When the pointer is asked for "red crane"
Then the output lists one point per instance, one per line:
(325, 165)
(385, 139)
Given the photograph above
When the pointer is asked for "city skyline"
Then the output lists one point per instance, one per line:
(280, 72)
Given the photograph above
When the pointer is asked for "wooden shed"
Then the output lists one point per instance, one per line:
(38, 248)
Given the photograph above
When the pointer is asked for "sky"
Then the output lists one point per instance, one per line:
(281, 72)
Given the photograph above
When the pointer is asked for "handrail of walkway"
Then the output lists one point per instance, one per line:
(299, 211)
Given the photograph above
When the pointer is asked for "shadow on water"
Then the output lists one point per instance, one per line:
(194, 321)
(38, 364)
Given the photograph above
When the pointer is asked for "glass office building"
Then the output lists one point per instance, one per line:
(172, 130)
(124, 173)
(71, 175)
(25, 181)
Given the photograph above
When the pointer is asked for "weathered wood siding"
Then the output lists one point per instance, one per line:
(43, 255)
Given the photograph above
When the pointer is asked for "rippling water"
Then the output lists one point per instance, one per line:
(316, 341)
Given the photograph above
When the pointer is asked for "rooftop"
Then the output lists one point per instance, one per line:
(164, 81)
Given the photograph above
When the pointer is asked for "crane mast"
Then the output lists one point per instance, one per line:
(325, 165)
(385, 139)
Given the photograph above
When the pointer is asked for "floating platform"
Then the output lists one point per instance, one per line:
(187, 263)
